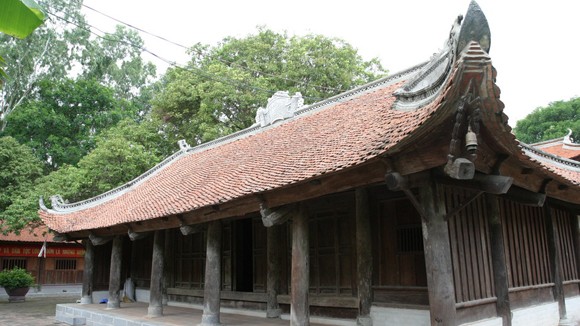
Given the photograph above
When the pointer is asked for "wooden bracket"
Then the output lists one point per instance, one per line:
(190, 229)
(60, 237)
(397, 182)
(271, 217)
(526, 197)
(97, 240)
(136, 235)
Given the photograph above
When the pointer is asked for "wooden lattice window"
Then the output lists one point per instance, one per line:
(409, 239)
(10, 263)
(65, 264)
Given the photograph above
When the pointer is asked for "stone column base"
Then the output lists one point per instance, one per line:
(364, 321)
(154, 311)
(210, 320)
(87, 299)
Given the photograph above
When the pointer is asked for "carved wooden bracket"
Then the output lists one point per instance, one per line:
(191, 229)
(60, 237)
(97, 241)
(136, 235)
(271, 217)
(467, 120)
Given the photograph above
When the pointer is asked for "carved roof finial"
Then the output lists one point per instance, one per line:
(474, 28)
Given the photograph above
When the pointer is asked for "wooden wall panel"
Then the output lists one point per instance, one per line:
(564, 224)
(526, 246)
(189, 260)
(470, 247)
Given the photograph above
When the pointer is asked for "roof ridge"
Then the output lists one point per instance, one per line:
(545, 156)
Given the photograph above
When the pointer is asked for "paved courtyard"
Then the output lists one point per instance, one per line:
(37, 311)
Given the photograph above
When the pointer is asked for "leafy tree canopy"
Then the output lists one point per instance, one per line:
(223, 86)
(61, 123)
(19, 169)
(550, 122)
(122, 153)
(63, 48)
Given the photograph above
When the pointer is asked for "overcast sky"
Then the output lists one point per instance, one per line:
(535, 45)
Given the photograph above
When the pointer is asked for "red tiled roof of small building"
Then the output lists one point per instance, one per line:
(37, 234)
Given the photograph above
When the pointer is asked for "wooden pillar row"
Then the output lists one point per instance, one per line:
(114, 301)
(157, 267)
(300, 278)
(438, 261)
(500, 273)
(87, 291)
(364, 263)
(212, 287)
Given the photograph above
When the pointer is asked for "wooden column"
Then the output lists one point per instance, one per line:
(274, 257)
(157, 266)
(212, 287)
(576, 235)
(168, 268)
(299, 308)
(87, 291)
(114, 301)
(500, 274)
(364, 262)
(555, 263)
(437, 257)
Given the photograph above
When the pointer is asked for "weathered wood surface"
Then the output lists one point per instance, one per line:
(274, 269)
(500, 273)
(87, 291)
(438, 257)
(555, 256)
(364, 255)
(299, 311)
(114, 301)
(211, 300)
(155, 308)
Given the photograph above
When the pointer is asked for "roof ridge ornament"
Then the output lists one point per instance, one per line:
(428, 82)
(280, 106)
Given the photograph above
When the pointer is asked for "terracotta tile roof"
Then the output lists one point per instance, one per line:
(558, 165)
(336, 137)
(38, 234)
(563, 151)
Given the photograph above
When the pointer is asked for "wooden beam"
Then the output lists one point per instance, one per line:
(364, 262)
(87, 290)
(500, 273)
(155, 308)
(114, 301)
(300, 278)
(493, 184)
(555, 257)
(213, 275)
(437, 257)
(526, 197)
(274, 269)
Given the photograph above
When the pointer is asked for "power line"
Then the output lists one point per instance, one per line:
(172, 63)
(219, 59)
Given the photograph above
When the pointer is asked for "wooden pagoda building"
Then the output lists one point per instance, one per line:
(407, 201)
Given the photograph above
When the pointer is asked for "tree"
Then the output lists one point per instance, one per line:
(222, 87)
(550, 122)
(121, 154)
(19, 169)
(19, 19)
(62, 122)
(63, 48)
